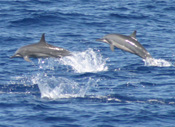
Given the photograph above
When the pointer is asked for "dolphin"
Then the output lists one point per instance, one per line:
(126, 43)
(40, 50)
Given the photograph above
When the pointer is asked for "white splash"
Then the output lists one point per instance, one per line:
(58, 87)
(54, 87)
(87, 61)
(157, 62)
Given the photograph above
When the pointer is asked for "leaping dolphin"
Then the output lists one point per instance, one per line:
(40, 50)
(126, 43)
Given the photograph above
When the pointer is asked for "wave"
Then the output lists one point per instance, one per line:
(45, 18)
(35, 20)
(124, 99)
(129, 16)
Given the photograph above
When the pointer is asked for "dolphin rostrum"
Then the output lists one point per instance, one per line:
(126, 43)
(40, 50)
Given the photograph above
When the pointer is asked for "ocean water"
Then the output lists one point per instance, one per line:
(95, 87)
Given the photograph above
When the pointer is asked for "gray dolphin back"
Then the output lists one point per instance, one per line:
(126, 43)
(40, 50)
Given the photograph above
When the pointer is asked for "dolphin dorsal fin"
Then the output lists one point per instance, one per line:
(42, 40)
(133, 35)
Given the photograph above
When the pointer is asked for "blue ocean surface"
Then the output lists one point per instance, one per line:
(95, 87)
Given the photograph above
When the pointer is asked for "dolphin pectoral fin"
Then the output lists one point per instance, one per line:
(112, 47)
(26, 58)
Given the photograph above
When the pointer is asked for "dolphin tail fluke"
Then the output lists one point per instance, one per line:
(146, 56)
(149, 56)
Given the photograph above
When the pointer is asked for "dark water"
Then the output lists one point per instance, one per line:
(96, 87)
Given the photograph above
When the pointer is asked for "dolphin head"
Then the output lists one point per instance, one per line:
(103, 40)
(17, 54)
